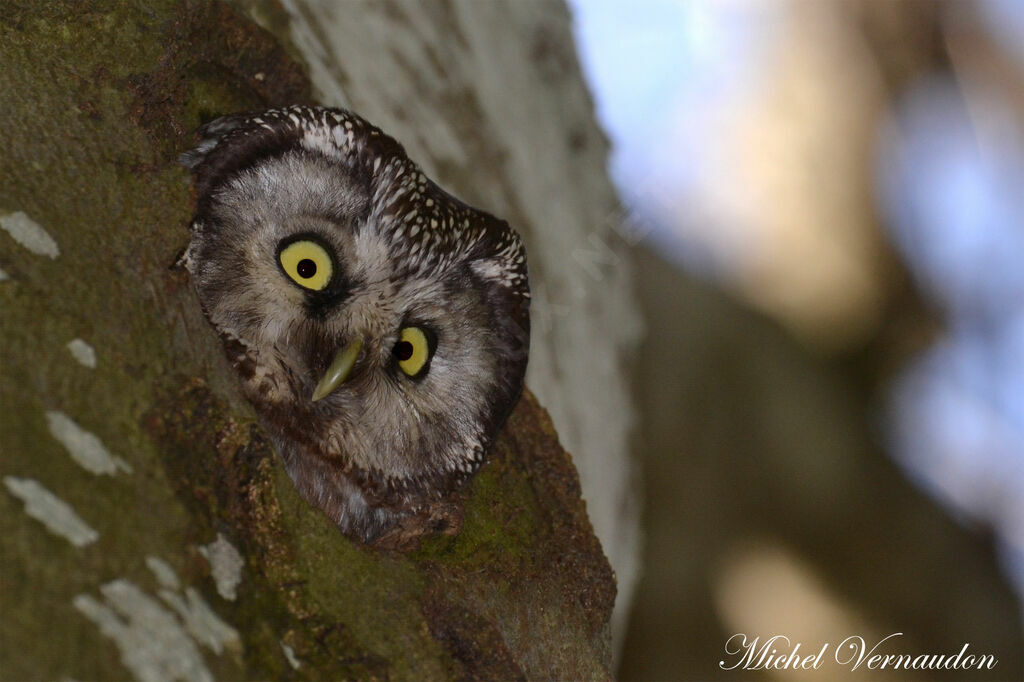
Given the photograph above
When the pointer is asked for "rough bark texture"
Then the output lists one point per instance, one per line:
(98, 100)
(489, 98)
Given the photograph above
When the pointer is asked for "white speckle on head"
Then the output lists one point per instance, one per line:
(85, 448)
(489, 269)
(205, 626)
(29, 234)
(340, 138)
(289, 654)
(153, 645)
(320, 140)
(83, 352)
(165, 575)
(45, 507)
(225, 566)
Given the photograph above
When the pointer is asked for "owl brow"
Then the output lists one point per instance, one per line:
(340, 215)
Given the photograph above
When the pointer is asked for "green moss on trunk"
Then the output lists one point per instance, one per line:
(99, 98)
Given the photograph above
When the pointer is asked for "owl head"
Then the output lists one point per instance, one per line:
(379, 326)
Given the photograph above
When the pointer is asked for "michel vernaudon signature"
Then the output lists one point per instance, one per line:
(779, 653)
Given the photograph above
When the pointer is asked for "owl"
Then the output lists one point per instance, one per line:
(378, 325)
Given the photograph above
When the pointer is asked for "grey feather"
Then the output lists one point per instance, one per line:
(384, 452)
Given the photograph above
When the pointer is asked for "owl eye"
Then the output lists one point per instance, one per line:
(413, 350)
(307, 263)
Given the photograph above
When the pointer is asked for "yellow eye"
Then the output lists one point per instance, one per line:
(413, 350)
(307, 263)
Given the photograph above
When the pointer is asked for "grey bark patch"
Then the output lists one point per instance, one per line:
(225, 566)
(53, 512)
(289, 654)
(29, 234)
(85, 448)
(83, 352)
(152, 642)
(165, 575)
(202, 622)
(4, 276)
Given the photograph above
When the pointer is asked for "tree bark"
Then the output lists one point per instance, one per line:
(193, 556)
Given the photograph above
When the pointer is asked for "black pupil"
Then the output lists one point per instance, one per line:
(306, 268)
(403, 350)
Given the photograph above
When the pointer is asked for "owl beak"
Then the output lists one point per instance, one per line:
(341, 367)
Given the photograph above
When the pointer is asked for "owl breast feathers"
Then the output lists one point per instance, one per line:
(380, 326)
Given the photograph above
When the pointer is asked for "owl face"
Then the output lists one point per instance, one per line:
(379, 326)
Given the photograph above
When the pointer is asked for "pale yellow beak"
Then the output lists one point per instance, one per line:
(339, 370)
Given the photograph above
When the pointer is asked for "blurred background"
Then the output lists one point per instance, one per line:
(825, 202)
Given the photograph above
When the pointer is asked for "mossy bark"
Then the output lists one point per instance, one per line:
(98, 100)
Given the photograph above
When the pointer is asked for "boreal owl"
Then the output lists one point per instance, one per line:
(379, 325)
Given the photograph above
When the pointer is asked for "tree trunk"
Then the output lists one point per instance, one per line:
(148, 529)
